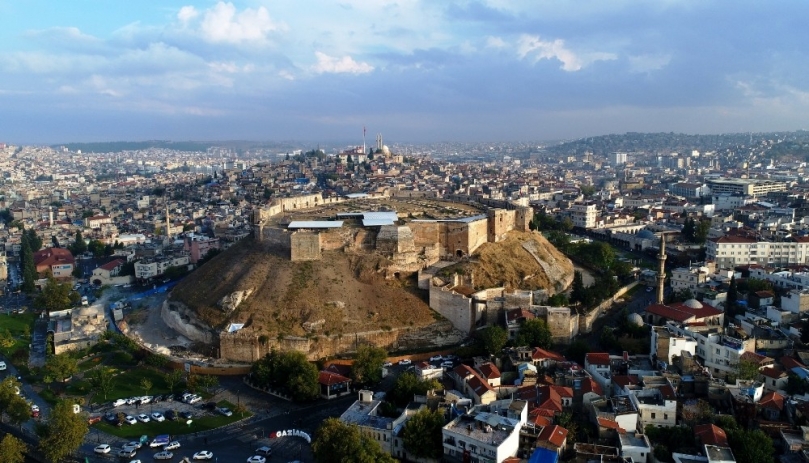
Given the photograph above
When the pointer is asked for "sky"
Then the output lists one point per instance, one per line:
(412, 70)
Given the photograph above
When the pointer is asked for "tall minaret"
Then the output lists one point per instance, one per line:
(168, 223)
(661, 272)
(50, 216)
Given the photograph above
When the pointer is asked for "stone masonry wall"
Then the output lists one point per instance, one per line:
(305, 246)
(453, 306)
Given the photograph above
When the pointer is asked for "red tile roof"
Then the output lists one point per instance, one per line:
(597, 358)
(555, 434)
(710, 434)
(541, 354)
(772, 372)
(608, 423)
(772, 400)
(789, 363)
(53, 256)
(109, 266)
(515, 315)
(329, 379)
(489, 370)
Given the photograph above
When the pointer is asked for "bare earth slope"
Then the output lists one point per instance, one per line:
(339, 294)
(524, 260)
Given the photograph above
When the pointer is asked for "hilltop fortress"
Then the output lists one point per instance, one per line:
(386, 237)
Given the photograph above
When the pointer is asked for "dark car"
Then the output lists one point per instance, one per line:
(112, 419)
(170, 415)
(209, 406)
(186, 415)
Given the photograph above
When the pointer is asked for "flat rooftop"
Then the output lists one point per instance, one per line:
(487, 428)
(362, 414)
(314, 224)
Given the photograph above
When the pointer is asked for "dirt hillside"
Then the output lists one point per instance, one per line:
(339, 294)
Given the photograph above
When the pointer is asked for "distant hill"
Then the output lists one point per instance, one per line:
(192, 146)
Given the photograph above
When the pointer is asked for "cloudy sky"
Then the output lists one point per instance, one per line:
(414, 70)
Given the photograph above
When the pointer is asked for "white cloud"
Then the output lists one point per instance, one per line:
(187, 13)
(531, 46)
(223, 24)
(648, 63)
(346, 64)
(495, 42)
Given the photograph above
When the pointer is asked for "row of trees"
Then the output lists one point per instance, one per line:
(30, 244)
(532, 333)
(287, 371)
(696, 231)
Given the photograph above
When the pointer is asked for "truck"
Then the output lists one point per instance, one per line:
(160, 440)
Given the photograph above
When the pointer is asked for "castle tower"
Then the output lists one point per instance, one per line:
(661, 272)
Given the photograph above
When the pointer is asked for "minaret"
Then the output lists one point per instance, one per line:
(661, 272)
(50, 216)
(168, 224)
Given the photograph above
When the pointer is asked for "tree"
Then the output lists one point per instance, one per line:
(97, 247)
(338, 442)
(55, 296)
(60, 367)
(689, 229)
(751, 446)
(534, 333)
(748, 369)
(33, 239)
(208, 382)
(29, 271)
(12, 450)
(101, 379)
(146, 385)
(701, 232)
(79, 245)
(732, 297)
(18, 410)
(289, 371)
(577, 351)
(63, 433)
(558, 300)
(173, 378)
(494, 339)
(422, 434)
(407, 385)
(367, 366)
(696, 411)
(587, 190)
(577, 291)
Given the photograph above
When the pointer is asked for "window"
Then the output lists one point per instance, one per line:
(653, 416)
(665, 416)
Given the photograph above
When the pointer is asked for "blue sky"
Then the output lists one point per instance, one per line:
(416, 71)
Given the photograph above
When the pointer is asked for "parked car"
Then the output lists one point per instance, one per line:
(102, 448)
(209, 405)
(203, 455)
(256, 459)
(224, 411)
(112, 419)
(447, 364)
(405, 362)
(266, 451)
(135, 443)
(130, 419)
(186, 415)
(118, 402)
(127, 452)
(170, 415)
(194, 399)
(144, 418)
(157, 416)
(436, 358)
(387, 364)
(2, 366)
(164, 455)
(172, 445)
(91, 420)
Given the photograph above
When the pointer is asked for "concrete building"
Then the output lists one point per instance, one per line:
(745, 186)
(482, 436)
(635, 446)
(732, 251)
(364, 414)
(583, 215)
(58, 261)
(654, 409)
(155, 266)
(198, 246)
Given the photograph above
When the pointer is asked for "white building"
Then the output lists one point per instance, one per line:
(719, 352)
(654, 409)
(688, 278)
(617, 158)
(732, 251)
(635, 446)
(156, 266)
(485, 436)
(583, 215)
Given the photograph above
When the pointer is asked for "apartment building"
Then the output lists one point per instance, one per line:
(732, 251)
(745, 186)
(484, 436)
(156, 266)
(583, 215)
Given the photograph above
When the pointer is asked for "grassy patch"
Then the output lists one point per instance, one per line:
(90, 363)
(175, 428)
(20, 327)
(49, 396)
(128, 384)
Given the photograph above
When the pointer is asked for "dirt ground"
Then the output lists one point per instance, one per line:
(146, 325)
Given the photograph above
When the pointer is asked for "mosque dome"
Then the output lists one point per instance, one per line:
(635, 319)
(646, 235)
(385, 149)
(693, 304)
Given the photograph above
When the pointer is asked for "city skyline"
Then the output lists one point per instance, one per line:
(415, 71)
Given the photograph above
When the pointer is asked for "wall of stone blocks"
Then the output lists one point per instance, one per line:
(305, 246)
(455, 307)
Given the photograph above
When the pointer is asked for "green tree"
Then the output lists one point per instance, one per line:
(726, 422)
(12, 450)
(701, 231)
(97, 247)
(79, 245)
(55, 296)
(101, 379)
(29, 271)
(63, 433)
(338, 442)
(18, 410)
(33, 239)
(407, 385)
(289, 371)
(146, 385)
(751, 446)
(494, 339)
(534, 333)
(558, 300)
(422, 434)
(208, 382)
(577, 291)
(689, 228)
(173, 378)
(587, 190)
(367, 366)
(748, 369)
(60, 367)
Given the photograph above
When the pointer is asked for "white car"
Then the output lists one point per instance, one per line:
(135, 444)
(2, 366)
(256, 459)
(387, 364)
(194, 399)
(203, 455)
(224, 411)
(164, 455)
(130, 419)
(102, 448)
(144, 418)
(405, 362)
(172, 445)
(157, 416)
(118, 402)
(436, 358)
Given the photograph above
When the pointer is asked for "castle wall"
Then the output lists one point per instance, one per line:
(499, 222)
(246, 347)
(453, 306)
(305, 246)
(518, 299)
(424, 233)
(411, 194)
(559, 321)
